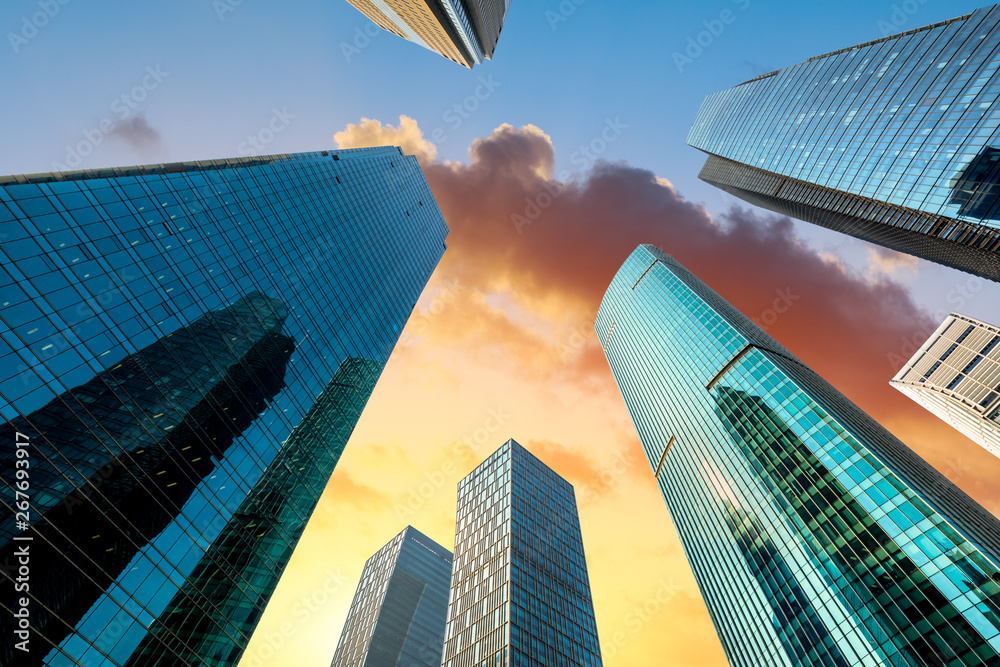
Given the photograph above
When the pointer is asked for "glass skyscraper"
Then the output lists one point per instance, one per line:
(397, 617)
(894, 141)
(816, 537)
(463, 31)
(956, 375)
(520, 594)
(187, 348)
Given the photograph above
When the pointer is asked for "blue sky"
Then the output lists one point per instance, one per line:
(227, 69)
(141, 82)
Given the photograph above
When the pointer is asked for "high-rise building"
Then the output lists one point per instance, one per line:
(816, 537)
(258, 541)
(187, 348)
(463, 31)
(520, 594)
(956, 375)
(112, 468)
(397, 617)
(892, 141)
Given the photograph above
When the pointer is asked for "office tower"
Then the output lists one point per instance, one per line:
(398, 613)
(463, 31)
(127, 465)
(258, 541)
(165, 330)
(816, 537)
(956, 375)
(520, 594)
(892, 141)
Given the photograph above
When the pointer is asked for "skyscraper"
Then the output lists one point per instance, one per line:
(398, 613)
(188, 346)
(956, 375)
(520, 594)
(816, 537)
(258, 541)
(463, 31)
(892, 141)
(127, 465)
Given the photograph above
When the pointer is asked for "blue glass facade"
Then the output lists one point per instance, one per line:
(520, 594)
(165, 329)
(397, 617)
(816, 537)
(894, 141)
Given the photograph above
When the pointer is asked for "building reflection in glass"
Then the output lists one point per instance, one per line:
(977, 187)
(114, 461)
(238, 573)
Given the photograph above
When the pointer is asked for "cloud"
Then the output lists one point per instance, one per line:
(370, 133)
(886, 262)
(592, 479)
(138, 134)
(534, 255)
(551, 248)
(361, 496)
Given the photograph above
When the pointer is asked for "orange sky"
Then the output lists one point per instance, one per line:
(501, 346)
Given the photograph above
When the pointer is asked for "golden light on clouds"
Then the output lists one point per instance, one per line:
(501, 345)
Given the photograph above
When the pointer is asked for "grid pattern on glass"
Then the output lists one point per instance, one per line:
(963, 245)
(239, 572)
(956, 375)
(815, 536)
(181, 320)
(520, 591)
(488, 17)
(463, 31)
(397, 616)
(910, 121)
(428, 23)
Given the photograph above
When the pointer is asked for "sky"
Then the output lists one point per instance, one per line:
(501, 344)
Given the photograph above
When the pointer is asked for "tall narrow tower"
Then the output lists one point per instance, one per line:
(520, 594)
(463, 31)
(397, 616)
(816, 537)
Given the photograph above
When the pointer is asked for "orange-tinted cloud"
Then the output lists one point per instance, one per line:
(502, 345)
(886, 262)
(535, 254)
(370, 132)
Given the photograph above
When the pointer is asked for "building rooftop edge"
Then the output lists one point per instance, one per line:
(179, 167)
(938, 332)
(862, 45)
(514, 443)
